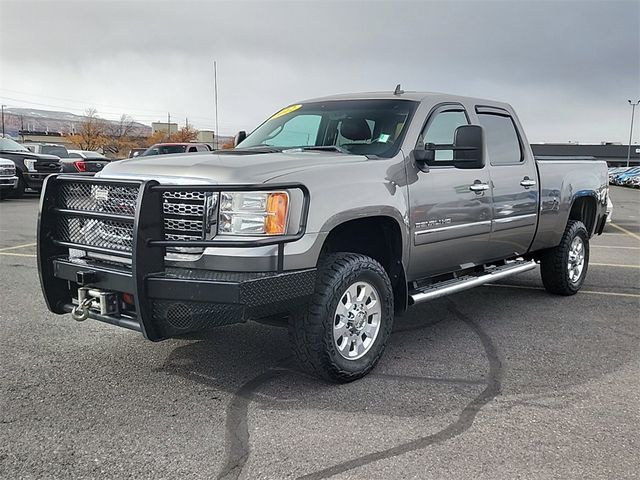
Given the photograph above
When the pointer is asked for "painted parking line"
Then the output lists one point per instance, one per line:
(624, 230)
(12, 254)
(613, 265)
(611, 246)
(15, 247)
(591, 292)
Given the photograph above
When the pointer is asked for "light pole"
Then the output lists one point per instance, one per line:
(633, 111)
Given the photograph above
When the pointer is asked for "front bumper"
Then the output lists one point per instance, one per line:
(7, 183)
(163, 301)
(35, 179)
(182, 300)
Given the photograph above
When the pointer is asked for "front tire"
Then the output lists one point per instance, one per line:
(564, 268)
(344, 331)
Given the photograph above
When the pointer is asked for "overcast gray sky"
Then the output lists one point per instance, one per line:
(567, 67)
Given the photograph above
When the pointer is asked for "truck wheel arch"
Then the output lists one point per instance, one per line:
(379, 237)
(583, 209)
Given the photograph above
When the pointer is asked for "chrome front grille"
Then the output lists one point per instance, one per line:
(7, 171)
(183, 225)
(189, 216)
(183, 209)
(186, 215)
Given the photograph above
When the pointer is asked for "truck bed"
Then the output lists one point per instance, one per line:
(563, 180)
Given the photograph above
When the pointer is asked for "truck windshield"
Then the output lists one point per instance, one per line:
(360, 127)
(163, 150)
(8, 145)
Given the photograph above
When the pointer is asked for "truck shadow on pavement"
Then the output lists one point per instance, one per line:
(439, 394)
(440, 364)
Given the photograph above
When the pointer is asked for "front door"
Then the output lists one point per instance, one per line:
(450, 208)
(514, 179)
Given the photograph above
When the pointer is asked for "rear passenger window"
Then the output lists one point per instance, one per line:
(441, 130)
(502, 140)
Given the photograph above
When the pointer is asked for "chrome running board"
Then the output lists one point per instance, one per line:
(490, 274)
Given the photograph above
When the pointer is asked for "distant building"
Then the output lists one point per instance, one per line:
(614, 154)
(45, 137)
(206, 136)
(164, 127)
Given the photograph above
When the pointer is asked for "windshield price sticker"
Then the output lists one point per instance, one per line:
(286, 111)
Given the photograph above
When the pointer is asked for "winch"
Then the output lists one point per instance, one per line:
(93, 299)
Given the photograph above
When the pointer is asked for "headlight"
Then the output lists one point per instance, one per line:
(30, 163)
(253, 213)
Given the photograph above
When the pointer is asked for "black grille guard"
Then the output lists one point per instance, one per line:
(148, 247)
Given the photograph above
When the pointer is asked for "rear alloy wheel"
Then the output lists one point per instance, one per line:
(575, 263)
(343, 332)
(564, 268)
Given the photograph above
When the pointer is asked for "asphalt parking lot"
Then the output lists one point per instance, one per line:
(499, 382)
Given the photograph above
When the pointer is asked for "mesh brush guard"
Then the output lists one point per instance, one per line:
(68, 205)
(128, 219)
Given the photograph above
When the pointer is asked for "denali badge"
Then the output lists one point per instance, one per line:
(433, 223)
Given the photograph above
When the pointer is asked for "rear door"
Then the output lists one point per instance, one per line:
(514, 180)
(450, 208)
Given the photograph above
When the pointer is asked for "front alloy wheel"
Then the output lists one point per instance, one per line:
(343, 333)
(357, 320)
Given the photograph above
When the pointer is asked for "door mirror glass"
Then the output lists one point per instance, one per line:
(240, 136)
(468, 150)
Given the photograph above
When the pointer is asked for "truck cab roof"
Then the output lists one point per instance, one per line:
(414, 96)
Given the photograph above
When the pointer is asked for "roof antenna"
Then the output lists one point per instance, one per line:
(398, 90)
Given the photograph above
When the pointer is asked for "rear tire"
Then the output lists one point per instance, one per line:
(564, 268)
(342, 334)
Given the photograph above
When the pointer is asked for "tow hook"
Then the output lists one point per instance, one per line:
(81, 312)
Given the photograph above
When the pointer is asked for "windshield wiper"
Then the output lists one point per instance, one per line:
(324, 148)
(255, 149)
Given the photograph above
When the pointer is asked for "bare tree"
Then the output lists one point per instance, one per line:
(125, 127)
(120, 134)
(91, 134)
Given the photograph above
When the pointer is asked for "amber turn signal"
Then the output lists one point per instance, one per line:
(275, 222)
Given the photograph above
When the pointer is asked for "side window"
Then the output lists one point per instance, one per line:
(502, 140)
(441, 130)
(193, 149)
(300, 131)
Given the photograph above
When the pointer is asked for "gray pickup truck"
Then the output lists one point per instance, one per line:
(335, 215)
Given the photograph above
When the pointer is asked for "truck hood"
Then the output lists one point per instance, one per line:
(227, 168)
(36, 156)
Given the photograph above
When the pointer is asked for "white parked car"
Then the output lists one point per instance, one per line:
(8, 178)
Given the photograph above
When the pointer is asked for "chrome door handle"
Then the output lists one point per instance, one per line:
(527, 182)
(479, 187)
